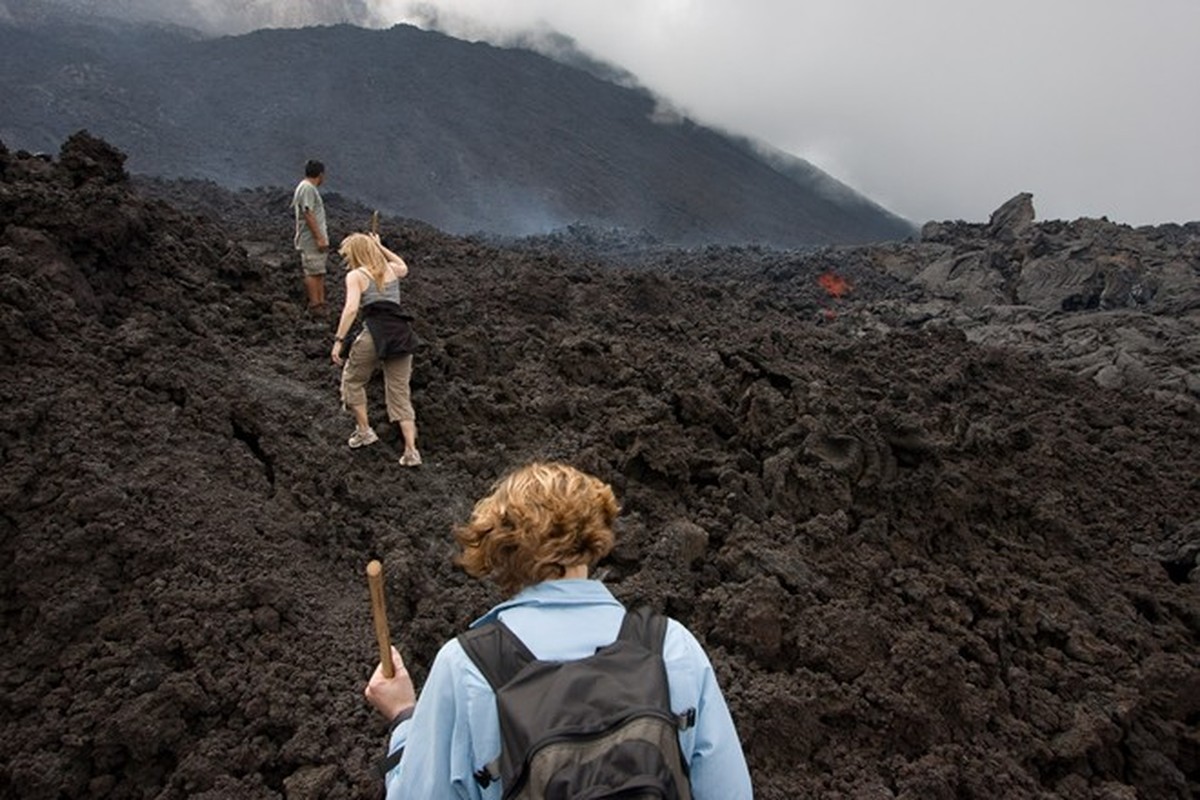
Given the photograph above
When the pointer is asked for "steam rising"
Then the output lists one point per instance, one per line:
(237, 16)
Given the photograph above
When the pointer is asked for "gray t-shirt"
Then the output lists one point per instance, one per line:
(307, 198)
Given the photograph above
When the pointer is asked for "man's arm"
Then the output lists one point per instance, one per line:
(311, 219)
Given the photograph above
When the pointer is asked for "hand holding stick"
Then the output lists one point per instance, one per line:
(390, 689)
(379, 611)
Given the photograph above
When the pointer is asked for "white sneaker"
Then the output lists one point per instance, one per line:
(363, 438)
(412, 459)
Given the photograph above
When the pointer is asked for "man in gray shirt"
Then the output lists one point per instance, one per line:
(312, 237)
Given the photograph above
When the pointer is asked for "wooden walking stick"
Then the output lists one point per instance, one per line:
(379, 611)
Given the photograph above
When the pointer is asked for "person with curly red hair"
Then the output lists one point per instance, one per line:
(537, 536)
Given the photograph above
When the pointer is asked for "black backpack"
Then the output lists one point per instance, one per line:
(597, 727)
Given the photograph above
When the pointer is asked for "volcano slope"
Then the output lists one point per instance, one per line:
(923, 568)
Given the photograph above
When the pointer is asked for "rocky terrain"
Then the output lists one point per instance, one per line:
(930, 506)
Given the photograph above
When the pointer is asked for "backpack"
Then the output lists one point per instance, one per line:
(598, 727)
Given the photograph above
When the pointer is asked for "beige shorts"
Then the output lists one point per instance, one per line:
(361, 365)
(313, 262)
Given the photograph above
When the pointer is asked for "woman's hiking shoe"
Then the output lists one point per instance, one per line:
(412, 459)
(363, 438)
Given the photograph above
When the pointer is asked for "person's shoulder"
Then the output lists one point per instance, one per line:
(452, 659)
(680, 642)
(675, 628)
(451, 649)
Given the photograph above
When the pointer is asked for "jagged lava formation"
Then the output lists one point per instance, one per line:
(924, 566)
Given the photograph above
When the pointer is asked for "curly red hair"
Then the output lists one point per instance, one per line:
(538, 521)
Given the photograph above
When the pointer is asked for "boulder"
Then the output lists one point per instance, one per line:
(1013, 218)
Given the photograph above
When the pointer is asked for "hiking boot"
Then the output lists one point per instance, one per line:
(412, 459)
(363, 438)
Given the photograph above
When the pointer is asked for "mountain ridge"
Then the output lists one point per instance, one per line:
(466, 136)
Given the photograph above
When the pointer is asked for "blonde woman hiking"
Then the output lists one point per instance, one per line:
(387, 340)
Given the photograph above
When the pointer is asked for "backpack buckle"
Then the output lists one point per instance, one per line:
(488, 774)
(686, 720)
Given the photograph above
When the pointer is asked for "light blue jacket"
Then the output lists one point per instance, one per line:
(454, 729)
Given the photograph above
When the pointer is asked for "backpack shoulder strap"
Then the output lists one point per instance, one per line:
(649, 629)
(497, 651)
(645, 626)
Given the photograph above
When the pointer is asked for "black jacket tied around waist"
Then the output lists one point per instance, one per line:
(390, 328)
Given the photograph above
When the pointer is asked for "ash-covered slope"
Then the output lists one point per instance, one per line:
(467, 137)
(922, 568)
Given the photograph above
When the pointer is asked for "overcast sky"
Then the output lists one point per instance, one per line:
(936, 109)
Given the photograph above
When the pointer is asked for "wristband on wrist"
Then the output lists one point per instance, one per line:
(403, 715)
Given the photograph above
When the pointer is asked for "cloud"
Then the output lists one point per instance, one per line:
(937, 109)
(238, 16)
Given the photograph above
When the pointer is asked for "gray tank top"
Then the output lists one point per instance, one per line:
(372, 294)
